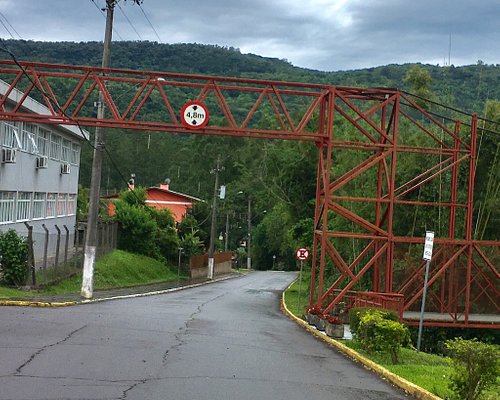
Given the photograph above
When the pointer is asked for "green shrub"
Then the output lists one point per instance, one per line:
(13, 258)
(137, 230)
(377, 333)
(475, 367)
(191, 243)
(166, 236)
(355, 315)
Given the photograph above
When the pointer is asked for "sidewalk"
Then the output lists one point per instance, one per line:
(70, 299)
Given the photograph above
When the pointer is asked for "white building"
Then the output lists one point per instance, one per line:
(39, 168)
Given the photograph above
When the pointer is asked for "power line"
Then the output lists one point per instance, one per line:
(150, 24)
(451, 108)
(487, 131)
(130, 22)
(101, 10)
(7, 29)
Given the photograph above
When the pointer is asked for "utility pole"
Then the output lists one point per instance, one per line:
(211, 247)
(249, 257)
(226, 239)
(95, 183)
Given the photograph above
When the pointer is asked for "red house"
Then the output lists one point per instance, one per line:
(160, 198)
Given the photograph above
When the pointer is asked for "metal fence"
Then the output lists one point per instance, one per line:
(57, 253)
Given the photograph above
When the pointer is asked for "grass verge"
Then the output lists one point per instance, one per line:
(117, 269)
(429, 371)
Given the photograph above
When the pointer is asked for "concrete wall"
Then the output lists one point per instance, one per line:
(198, 265)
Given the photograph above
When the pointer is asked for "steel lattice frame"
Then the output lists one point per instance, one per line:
(379, 127)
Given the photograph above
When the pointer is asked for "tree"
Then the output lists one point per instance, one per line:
(419, 79)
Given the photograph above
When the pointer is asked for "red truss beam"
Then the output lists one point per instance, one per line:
(363, 136)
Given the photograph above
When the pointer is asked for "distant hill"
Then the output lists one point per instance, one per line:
(466, 87)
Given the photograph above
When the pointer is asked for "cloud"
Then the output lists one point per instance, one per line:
(318, 34)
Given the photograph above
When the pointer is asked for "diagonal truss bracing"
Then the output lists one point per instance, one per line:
(387, 170)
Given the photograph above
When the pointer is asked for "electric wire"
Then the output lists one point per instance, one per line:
(150, 24)
(451, 108)
(101, 10)
(449, 119)
(129, 21)
(7, 29)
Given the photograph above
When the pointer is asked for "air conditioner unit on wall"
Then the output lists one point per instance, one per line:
(42, 162)
(9, 156)
(65, 168)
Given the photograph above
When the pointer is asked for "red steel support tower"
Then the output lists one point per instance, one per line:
(388, 169)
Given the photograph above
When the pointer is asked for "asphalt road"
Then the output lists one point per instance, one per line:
(226, 340)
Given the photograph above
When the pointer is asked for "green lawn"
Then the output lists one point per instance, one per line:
(429, 371)
(115, 270)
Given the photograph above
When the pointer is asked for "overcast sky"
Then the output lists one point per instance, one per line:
(327, 35)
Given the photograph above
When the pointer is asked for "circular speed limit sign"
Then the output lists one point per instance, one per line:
(194, 115)
(302, 254)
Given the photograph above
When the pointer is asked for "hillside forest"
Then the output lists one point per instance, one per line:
(278, 177)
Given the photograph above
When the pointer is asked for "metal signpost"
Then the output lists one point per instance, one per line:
(301, 254)
(429, 241)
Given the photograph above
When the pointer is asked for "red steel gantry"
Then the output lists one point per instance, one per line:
(364, 138)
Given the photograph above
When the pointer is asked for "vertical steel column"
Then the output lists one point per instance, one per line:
(389, 262)
(327, 165)
(325, 125)
(378, 204)
(470, 211)
(451, 305)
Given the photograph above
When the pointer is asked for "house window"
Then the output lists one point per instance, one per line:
(75, 153)
(65, 150)
(11, 136)
(71, 204)
(23, 206)
(7, 205)
(28, 137)
(38, 205)
(43, 142)
(61, 204)
(51, 205)
(55, 146)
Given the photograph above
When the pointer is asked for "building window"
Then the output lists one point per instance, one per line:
(61, 204)
(65, 150)
(23, 206)
(11, 136)
(38, 205)
(28, 137)
(75, 153)
(43, 142)
(7, 205)
(71, 204)
(55, 146)
(51, 205)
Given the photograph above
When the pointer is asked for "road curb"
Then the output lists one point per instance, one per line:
(407, 386)
(30, 303)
